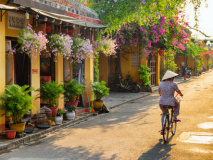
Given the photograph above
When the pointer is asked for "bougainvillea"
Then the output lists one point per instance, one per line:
(158, 33)
(115, 13)
(30, 42)
(61, 44)
(81, 49)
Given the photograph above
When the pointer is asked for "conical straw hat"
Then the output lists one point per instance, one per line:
(169, 74)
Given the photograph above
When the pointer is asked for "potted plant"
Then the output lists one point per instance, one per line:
(99, 90)
(16, 102)
(59, 116)
(145, 77)
(70, 112)
(50, 92)
(72, 91)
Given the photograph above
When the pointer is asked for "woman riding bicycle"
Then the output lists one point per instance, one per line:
(167, 90)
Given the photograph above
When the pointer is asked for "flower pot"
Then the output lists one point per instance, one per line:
(58, 119)
(11, 134)
(74, 103)
(70, 115)
(98, 105)
(18, 127)
(54, 110)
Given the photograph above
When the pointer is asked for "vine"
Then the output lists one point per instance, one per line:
(96, 68)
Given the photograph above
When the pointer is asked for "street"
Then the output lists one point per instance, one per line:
(132, 132)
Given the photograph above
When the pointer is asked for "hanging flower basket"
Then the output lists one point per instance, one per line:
(31, 43)
(105, 45)
(61, 44)
(81, 49)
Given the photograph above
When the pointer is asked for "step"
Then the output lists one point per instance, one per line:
(80, 110)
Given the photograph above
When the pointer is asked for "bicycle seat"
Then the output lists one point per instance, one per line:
(167, 107)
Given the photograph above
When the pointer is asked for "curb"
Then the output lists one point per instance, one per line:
(39, 135)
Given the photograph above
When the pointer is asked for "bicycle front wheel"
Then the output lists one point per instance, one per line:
(174, 127)
(166, 130)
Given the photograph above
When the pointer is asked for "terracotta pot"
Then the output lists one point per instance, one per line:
(70, 115)
(54, 110)
(98, 104)
(11, 134)
(18, 127)
(73, 103)
(58, 119)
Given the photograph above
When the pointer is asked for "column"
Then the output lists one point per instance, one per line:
(2, 70)
(35, 83)
(89, 76)
(59, 77)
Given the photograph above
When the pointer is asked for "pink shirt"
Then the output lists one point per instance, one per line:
(167, 89)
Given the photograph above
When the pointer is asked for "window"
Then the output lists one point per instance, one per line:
(135, 59)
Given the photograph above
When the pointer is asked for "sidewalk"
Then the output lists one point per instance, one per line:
(114, 99)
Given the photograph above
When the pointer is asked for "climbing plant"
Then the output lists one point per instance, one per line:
(96, 68)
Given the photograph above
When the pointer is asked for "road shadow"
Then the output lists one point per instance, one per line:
(159, 152)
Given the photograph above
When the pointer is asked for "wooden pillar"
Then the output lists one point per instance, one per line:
(59, 77)
(157, 69)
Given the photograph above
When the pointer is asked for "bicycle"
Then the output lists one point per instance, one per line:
(167, 122)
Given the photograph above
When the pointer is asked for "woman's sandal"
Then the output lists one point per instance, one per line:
(177, 120)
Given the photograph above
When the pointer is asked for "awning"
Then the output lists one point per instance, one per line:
(205, 53)
(5, 7)
(68, 19)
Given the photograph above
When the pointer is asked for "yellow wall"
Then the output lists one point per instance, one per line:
(104, 70)
(126, 67)
(59, 77)
(190, 62)
(35, 83)
(2, 68)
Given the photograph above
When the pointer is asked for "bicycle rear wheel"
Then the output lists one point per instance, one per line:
(166, 130)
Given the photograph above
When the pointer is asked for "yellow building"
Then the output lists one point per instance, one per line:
(127, 63)
(19, 69)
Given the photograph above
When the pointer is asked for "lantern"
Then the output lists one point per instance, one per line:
(48, 27)
(71, 31)
(160, 52)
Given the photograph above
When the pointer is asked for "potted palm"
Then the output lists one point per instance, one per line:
(72, 91)
(50, 92)
(145, 77)
(59, 116)
(16, 102)
(99, 90)
(70, 112)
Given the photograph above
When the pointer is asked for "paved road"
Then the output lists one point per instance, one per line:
(131, 132)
